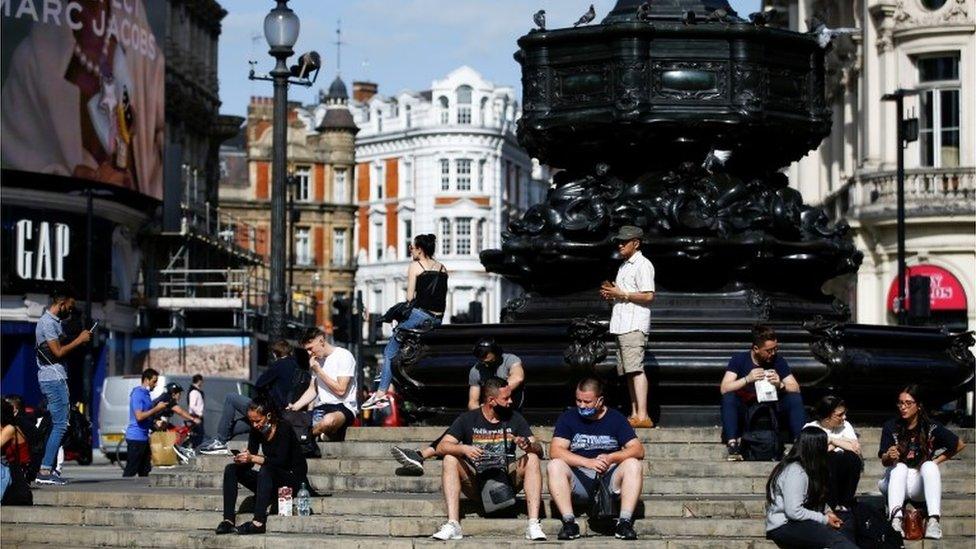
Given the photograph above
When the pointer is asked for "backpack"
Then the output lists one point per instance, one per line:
(36, 430)
(760, 441)
(872, 528)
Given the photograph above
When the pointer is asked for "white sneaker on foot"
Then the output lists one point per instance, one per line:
(534, 531)
(933, 530)
(450, 530)
(376, 401)
(215, 448)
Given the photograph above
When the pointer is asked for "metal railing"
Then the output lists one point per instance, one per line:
(928, 191)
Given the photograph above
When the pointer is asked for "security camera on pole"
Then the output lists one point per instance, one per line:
(281, 28)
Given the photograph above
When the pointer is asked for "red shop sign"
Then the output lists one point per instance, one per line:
(946, 294)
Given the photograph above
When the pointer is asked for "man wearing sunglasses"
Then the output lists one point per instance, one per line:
(631, 294)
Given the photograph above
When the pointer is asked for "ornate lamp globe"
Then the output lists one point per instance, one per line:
(281, 27)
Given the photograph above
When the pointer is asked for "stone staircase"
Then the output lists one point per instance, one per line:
(692, 499)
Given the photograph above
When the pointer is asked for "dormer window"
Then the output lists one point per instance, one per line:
(445, 109)
(464, 105)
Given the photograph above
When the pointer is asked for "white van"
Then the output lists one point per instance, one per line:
(113, 411)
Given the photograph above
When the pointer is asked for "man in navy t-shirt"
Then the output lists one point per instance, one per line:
(142, 409)
(739, 388)
(591, 444)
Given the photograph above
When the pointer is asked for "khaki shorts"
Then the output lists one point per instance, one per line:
(630, 352)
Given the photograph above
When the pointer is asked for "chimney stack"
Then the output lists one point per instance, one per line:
(363, 91)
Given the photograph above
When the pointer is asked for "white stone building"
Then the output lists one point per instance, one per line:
(442, 161)
(929, 47)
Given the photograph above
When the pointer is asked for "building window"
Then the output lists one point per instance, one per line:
(481, 175)
(445, 174)
(483, 111)
(939, 120)
(303, 187)
(378, 244)
(339, 258)
(445, 237)
(407, 237)
(409, 115)
(464, 105)
(463, 231)
(340, 186)
(445, 109)
(464, 175)
(933, 4)
(379, 181)
(479, 236)
(407, 188)
(379, 121)
(303, 247)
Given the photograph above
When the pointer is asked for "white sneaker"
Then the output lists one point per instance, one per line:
(376, 401)
(215, 448)
(933, 530)
(896, 526)
(534, 531)
(450, 530)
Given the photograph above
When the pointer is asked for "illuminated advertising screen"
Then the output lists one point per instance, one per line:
(82, 90)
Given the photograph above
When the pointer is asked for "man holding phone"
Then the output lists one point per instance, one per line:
(738, 388)
(52, 377)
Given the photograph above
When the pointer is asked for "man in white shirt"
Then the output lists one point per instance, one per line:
(196, 404)
(631, 294)
(333, 387)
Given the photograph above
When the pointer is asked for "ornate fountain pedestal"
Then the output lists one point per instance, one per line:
(636, 111)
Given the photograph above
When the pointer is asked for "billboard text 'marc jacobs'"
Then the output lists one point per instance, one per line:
(83, 90)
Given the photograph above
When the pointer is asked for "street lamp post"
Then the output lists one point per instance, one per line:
(906, 131)
(281, 28)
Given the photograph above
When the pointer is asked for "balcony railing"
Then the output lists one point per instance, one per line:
(928, 191)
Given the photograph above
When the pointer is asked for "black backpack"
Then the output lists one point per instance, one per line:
(872, 529)
(760, 441)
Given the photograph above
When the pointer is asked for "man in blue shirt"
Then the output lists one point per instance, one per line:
(142, 410)
(739, 388)
(594, 444)
(52, 377)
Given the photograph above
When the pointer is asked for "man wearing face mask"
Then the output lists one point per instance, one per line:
(594, 444)
(481, 442)
(53, 378)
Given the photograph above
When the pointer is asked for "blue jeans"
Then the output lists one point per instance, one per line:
(56, 393)
(789, 405)
(418, 318)
(4, 479)
(235, 409)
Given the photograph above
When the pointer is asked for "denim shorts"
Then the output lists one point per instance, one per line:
(585, 479)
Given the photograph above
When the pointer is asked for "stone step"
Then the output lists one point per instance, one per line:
(953, 469)
(420, 505)
(652, 484)
(869, 436)
(54, 536)
(398, 526)
(712, 451)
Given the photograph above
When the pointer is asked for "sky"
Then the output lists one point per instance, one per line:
(404, 44)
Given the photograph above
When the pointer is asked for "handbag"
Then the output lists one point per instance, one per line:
(399, 312)
(913, 524)
(494, 485)
(601, 503)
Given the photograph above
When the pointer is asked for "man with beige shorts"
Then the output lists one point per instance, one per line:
(631, 294)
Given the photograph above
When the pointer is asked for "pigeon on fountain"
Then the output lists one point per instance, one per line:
(540, 19)
(824, 34)
(644, 12)
(587, 17)
(715, 160)
(763, 18)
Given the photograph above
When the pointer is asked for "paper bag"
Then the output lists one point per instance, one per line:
(161, 447)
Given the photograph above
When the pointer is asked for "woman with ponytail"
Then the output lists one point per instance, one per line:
(796, 497)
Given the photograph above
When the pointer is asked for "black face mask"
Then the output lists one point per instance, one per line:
(503, 412)
(265, 429)
(65, 312)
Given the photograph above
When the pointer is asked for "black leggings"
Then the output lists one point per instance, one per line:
(264, 483)
(808, 534)
(845, 472)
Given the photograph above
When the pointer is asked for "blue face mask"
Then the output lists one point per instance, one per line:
(586, 412)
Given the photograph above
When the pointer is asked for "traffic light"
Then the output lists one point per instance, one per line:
(340, 319)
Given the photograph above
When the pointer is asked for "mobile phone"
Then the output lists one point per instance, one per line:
(95, 325)
(235, 451)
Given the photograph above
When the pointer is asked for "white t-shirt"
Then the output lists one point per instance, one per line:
(338, 364)
(635, 275)
(844, 432)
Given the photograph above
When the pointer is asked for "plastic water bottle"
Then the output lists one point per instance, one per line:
(304, 505)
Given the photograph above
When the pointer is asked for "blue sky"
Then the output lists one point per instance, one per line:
(404, 44)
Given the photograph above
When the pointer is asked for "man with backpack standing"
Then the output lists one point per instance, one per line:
(52, 377)
(738, 388)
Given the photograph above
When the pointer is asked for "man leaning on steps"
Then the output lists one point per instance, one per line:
(594, 444)
(481, 441)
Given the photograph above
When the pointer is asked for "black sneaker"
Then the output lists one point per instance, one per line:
(570, 530)
(625, 530)
(249, 528)
(735, 453)
(225, 527)
(412, 460)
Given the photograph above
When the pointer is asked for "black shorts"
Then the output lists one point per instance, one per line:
(322, 410)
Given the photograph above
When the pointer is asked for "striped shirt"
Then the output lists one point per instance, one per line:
(635, 275)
